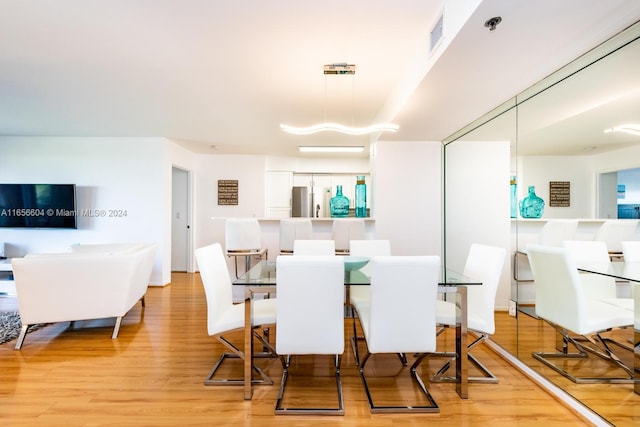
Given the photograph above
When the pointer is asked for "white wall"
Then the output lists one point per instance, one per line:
(581, 171)
(477, 204)
(110, 174)
(540, 170)
(406, 184)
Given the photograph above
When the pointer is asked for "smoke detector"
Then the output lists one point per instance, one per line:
(339, 68)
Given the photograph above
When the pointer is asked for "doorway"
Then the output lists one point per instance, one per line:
(180, 220)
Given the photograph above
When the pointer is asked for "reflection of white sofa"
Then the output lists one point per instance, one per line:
(90, 282)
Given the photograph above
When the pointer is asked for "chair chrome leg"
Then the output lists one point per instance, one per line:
(236, 353)
(432, 407)
(582, 353)
(488, 376)
(280, 410)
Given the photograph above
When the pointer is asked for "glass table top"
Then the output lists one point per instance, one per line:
(264, 274)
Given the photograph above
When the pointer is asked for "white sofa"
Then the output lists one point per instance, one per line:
(90, 282)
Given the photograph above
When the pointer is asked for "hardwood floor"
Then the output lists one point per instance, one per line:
(616, 402)
(153, 375)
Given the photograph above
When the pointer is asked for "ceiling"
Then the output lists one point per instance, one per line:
(220, 77)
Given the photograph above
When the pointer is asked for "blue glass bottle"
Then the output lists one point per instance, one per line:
(361, 197)
(531, 206)
(339, 204)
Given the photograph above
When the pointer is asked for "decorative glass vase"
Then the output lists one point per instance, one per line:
(531, 206)
(339, 204)
(361, 198)
(514, 197)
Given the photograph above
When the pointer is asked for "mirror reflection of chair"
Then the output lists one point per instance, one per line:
(364, 248)
(314, 247)
(562, 303)
(346, 229)
(243, 238)
(597, 286)
(393, 323)
(631, 250)
(224, 317)
(292, 229)
(553, 233)
(484, 263)
(613, 232)
(312, 328)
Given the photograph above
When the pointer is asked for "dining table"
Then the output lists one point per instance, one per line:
(625, 272)
(261, 278)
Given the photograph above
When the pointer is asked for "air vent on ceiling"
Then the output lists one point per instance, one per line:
(339, 68)
(436, 33)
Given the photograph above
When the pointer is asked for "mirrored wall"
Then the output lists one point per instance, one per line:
(554, 137)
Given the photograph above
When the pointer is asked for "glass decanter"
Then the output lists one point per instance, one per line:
(339, 204)
(531, 206)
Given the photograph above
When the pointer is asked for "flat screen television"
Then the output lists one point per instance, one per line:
(38, 205)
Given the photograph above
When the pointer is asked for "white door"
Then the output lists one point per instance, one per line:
(180, 226)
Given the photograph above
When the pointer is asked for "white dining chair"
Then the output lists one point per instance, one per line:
(485, 264)
(314, 247)
(597, 286)
(224, 317)
(393, 323)
(310, 326)
(613, 232)
(561, 301)
(631, 250)
(243, 238)
(344, 230)
(292, 229)
(362, 294)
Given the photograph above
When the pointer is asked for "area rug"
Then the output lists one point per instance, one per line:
(10, 325)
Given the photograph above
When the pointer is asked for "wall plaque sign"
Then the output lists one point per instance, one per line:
(227, 191)
(560, 194)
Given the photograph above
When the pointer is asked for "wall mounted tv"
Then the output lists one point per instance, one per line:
(38, 205)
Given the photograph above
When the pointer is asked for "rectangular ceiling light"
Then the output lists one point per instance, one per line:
(336, 149)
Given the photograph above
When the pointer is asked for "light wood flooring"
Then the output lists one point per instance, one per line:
(152, 375)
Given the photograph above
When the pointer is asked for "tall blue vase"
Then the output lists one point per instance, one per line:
(361, 197)
(514, 197)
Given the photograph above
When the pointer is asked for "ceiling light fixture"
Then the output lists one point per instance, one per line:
(327, 149)
(349, 130)
(633, 129)
(340, 69)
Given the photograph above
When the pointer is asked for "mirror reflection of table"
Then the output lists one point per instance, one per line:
(261, 278)
(626, 271)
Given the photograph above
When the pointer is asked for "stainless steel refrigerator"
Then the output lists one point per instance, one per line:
(300, 202)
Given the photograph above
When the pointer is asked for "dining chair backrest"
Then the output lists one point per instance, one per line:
(314, 247)
(217, 284)
(242, 234)
(398, 324)
(292, 229)
(484, 263)
(556, 231)
(310, 307)
(614, 231)
(631, 250)
(345, 230)
(592, 251)
(369, 248)
(558, 291)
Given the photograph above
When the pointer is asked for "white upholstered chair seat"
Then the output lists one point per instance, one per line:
(223, 316)
(392, 323)
(484, 263)
(562, 302)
